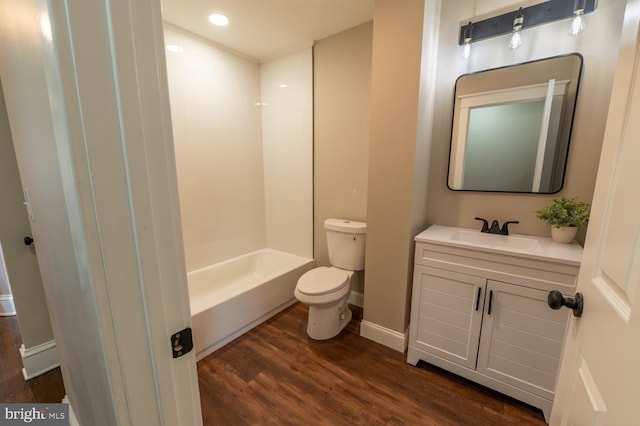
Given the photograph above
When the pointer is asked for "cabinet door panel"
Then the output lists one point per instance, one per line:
(539, 326)
(522, 339)
(448, 324)
(545, 346)
(535, 361)
(445, 347)
(537, 382)
(443, 328)
(523, 305)
(455, 298)
(446, 315)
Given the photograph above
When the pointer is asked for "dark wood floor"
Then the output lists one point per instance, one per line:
(13, 388)
(276, 375)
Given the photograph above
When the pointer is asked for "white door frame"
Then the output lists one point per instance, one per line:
(108, 121)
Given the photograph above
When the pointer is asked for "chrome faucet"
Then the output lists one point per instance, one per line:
(495, 226)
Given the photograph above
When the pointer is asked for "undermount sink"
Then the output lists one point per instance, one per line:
(495, 240)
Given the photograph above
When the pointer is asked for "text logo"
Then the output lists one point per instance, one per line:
(34, 414)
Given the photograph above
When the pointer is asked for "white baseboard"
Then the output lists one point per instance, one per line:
(356, 299)
(39, 359)
(385, 336)
(7, 308)
(72, 416)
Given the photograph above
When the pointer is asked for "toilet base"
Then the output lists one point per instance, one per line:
(325, 322)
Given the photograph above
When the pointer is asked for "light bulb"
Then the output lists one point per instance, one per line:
(577, 23)
(516, 37)
(516, 40)
(467, 37)
(466, 49)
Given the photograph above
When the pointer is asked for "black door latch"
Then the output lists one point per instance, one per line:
(181, 342)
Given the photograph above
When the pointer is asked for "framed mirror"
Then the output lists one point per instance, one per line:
(512, 126)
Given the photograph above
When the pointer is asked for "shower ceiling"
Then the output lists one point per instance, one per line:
(261, 29)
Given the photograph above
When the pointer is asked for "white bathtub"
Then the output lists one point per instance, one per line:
(230, 298)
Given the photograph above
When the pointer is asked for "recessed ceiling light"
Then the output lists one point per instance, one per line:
(174, 48)
(218, 19)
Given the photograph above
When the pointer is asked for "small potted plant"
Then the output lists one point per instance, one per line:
(565, 215)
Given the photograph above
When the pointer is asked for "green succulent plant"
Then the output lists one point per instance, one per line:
(564, 212)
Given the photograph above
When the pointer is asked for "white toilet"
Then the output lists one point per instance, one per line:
(326, 290)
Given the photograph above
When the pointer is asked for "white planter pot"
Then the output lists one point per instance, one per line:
(563, 235)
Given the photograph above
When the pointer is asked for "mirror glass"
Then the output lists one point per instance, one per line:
(512, 126)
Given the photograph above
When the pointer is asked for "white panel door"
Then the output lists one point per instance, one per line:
(599, 380)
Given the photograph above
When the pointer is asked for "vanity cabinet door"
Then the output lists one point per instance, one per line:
(447, 314)
(522, 338)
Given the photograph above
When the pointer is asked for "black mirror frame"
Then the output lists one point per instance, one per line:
(569, 135)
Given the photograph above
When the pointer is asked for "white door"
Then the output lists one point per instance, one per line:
(86, 94)
(599, 380)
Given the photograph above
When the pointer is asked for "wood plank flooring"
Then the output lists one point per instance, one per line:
(13, 388)
(276, 375)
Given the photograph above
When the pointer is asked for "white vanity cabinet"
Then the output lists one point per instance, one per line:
(479, 309)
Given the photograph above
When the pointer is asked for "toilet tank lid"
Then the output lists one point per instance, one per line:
(347, 226)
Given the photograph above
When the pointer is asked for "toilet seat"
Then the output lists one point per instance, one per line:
(322, 280)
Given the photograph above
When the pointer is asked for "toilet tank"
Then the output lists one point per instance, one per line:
(345, 243)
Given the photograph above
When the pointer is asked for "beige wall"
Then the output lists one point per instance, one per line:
(404, 132)
(22, 266)
(342, 90)
(395, 89)
(598, 44)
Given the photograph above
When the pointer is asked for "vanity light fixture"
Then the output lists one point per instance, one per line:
(468, 36)
(516, 35)
(538, 14)
(577, 23)
(218, 19)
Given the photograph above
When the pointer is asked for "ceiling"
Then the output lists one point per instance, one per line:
(263, 29)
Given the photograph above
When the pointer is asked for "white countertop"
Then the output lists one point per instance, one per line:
(528, 246)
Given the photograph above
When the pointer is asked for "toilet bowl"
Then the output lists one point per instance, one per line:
(326, 289)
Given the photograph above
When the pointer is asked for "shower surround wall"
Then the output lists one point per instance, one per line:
(286, 86)
(242, 135)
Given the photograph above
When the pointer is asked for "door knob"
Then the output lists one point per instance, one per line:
(28, 241)
(556, 300)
